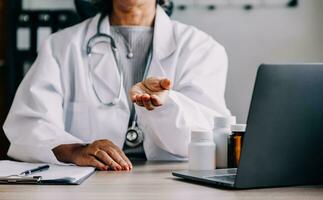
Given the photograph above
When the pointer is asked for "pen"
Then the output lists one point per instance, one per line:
(31, 171)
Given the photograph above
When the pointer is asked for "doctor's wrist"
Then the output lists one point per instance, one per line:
(66, 152)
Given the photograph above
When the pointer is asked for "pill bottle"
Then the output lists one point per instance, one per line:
(201, 151)
(221, 133)
(235, 143)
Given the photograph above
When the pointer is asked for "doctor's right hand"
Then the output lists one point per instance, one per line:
(150, 93)
(102, 154)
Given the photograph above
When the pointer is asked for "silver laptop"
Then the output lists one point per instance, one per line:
(284, 138)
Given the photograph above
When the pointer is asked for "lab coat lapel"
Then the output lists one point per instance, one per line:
(164, 43)
(164, 38)
(104, 69)
(105, 73)
(98, 48)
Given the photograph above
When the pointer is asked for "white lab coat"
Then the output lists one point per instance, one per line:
(55, 104)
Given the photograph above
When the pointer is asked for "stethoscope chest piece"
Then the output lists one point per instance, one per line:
(134, 136)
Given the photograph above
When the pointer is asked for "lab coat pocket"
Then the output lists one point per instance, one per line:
(78, 120)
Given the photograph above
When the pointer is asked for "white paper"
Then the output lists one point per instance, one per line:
(277, 2)
(47, 4)
(23, 39)
(54, 172)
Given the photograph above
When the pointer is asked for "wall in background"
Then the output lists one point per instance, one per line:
(273, 35)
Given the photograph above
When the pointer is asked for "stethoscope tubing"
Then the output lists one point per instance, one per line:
(117, 100)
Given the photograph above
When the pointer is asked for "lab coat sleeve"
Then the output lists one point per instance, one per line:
(196, 98)
(35, 123)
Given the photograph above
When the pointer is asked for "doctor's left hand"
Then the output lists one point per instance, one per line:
(102, 154)
(150, 93)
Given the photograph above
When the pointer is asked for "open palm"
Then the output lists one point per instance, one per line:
(150, 93)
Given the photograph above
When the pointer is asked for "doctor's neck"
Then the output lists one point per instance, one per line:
(137, 13)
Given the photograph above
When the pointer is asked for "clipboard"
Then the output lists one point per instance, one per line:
(15, 179)
(56, 175)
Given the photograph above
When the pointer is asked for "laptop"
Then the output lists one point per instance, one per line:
(283, 144)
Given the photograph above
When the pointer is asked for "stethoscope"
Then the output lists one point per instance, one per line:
(134, 135)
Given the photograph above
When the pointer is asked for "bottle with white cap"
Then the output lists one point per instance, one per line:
(201, 151)
(221, 133)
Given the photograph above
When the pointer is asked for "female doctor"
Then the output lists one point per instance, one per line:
(129, 82)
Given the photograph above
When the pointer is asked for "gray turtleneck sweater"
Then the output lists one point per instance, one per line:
(138, 40)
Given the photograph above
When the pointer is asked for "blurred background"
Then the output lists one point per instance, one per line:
(252, 31)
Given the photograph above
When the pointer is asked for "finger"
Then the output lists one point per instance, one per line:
(152, 84)
(133, 98)
(165, 84)
(92, 161)
(105, 158)
(123, 155)
(106, 145)
(125, 158)
(139, 100)
(117, 158)
(135, 90)
(155, 100)
(147, 102)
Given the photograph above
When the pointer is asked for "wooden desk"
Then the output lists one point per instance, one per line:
(152, 181)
